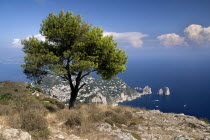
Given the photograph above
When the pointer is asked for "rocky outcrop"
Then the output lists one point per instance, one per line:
(7, 133)
(147, 90)
(169, 126)
(164, 91)
(160, 92)
(99, 99)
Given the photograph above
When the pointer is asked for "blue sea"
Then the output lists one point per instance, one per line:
(188, 79)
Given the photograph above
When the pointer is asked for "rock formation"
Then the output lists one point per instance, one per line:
(7, 133)
(160, 92)
(147, 90)
(164, 91)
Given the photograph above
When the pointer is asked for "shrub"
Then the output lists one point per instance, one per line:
(50, 107)
(54, 101)
(73, 120)
(34, 123)
(6, 96)
(15, 90)
(116, 117)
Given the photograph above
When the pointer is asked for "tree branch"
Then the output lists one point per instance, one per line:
(86, 74)
(82, 86)
(78, 79)
(69, 78)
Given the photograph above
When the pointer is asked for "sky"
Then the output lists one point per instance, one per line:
(146, 28)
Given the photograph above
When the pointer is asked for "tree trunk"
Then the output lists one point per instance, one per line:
(73, 98)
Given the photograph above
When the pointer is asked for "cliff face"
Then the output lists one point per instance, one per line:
(97, 90)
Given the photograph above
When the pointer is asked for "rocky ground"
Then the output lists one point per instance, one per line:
(153, 125)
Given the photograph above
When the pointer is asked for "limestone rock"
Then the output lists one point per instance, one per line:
(8, 133)
(147, 90)
(160, 92)
(164, 91)
(99, 99)
(181, 137)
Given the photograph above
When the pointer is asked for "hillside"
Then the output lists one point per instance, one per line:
(25, 111)
(97, 90)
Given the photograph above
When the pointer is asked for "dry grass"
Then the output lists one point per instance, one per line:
(24, 111)
(19, 109)
(83, 119)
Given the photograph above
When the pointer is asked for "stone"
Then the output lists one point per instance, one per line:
(8, 133)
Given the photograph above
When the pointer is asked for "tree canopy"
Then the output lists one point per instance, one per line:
(71, 47)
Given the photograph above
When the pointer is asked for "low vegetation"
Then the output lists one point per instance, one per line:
(25, 111)
(27, 108)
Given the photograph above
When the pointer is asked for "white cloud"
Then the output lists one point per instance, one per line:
(134, 39)
(197, 34)
(38, 36)
(16, 43)
(169, 40)
(194, 35)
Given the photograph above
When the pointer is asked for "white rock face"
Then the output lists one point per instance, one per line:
(99, 99)
(147, 90)
(164, 91)
(107, 128)
(7, 133)
(160, 92)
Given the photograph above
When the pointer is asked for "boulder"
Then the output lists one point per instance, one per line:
(7, 133)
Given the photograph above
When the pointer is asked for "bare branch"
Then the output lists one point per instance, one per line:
(86, 74)
(82, 86)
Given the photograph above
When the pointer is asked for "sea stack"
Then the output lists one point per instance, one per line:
(160, 92)
(147, 90)
(164, 91)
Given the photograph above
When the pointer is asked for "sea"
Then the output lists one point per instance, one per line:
(188, 79)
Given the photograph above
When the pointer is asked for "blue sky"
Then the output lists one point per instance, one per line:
(142, 27)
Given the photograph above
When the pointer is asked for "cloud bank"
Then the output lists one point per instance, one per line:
(16, 43)
(172, 39)
(194, 35)
(132, 39)
(197, 34)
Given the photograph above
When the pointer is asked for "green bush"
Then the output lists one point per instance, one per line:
(6, 96)
(54, 101)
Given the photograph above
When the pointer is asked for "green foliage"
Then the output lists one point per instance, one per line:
(74, 46)
(5, 96)
(54, 102)
(33, 89)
